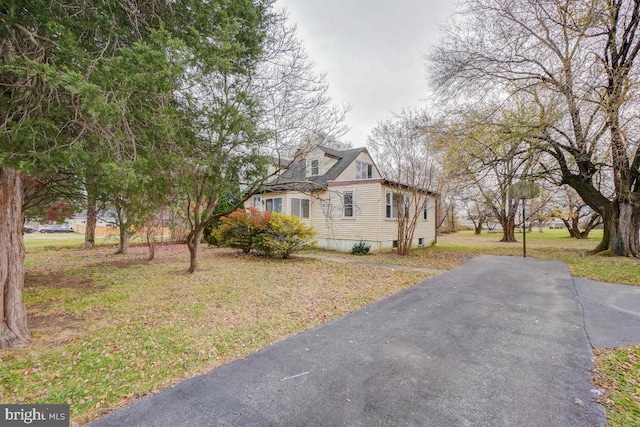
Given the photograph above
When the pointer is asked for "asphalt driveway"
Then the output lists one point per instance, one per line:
(498, 341)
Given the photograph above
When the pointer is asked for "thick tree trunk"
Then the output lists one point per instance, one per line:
(193, 243)
(13, 315)
(509, 229)
(92, 220)
(624, 241)
(620, 235)
(478, 229)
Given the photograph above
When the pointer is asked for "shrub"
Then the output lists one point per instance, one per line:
(240, 228)
(360, 248)
(284, 236)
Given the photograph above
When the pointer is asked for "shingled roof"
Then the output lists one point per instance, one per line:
(294, 177)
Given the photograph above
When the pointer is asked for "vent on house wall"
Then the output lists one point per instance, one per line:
(420, 241)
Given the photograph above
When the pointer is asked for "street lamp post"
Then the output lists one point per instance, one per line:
(524, 227)
(524, 190)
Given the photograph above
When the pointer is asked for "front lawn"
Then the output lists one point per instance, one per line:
(107, 329)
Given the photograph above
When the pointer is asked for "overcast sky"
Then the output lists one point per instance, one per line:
(372, 52)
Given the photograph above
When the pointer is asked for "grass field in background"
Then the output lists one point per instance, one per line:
(110, 329)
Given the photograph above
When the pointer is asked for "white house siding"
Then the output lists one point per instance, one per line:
(324, 162)
(349, 172)
(425, 229)
(369, 224)
(340, 233)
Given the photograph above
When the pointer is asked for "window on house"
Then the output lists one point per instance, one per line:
(393, 202)
(425, 210)
(256, 202)
(300, 207)
(364, 170)
(315, 170)
(273, 205)
(420, 241)
(347, 204)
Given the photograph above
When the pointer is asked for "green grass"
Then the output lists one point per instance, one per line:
(618, 372)
(452, 250)
(551, 244)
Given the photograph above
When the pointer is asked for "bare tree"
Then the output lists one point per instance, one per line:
(485, 155)
(246, 121)
(575, 65)
(406, 157)
(297, 111)
(574, 213)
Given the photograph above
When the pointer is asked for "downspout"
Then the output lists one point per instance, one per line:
(381, 213)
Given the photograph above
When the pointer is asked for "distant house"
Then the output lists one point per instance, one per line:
(342, 195)
(105, 225)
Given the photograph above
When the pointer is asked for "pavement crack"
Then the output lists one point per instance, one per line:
(584, 321)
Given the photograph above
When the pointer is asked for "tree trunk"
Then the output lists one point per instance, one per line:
(151, 243)
(13, 315)
(193, 242)
(478, 229)
(593, 222)
(624, 242)
(123, 243)
(509, 228)
(620, 235)
(92, 220)
(402, 241)
(574, 231)
(152, 249)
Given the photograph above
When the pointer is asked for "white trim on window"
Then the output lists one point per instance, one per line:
(300, 207)
(255, 202)
(364, 170)
(273, 204)
(314, 167)
(391, 209)
(348, 200)
(425, 210)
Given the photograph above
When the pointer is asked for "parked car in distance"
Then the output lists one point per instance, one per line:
(27, 229)
(55, 229)
(556, 225)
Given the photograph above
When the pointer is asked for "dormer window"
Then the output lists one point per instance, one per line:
(364, 170)
(315, 170)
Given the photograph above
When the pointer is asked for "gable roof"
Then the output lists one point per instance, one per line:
(295, 178)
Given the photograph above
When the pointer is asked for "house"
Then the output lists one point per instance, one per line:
(343, 196)
(105, 225)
